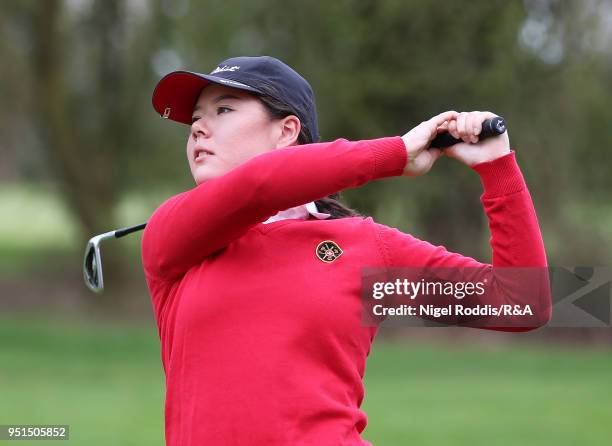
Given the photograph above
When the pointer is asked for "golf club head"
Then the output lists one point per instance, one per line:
(92, 263)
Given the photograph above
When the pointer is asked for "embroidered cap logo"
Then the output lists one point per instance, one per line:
(328, 251)
(225, 68)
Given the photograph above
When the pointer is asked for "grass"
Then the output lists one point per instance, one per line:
(107, 383)
(433, 395)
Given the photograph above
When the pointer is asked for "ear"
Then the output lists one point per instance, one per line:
(289, 130)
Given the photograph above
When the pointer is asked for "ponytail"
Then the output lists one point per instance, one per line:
(331, 205)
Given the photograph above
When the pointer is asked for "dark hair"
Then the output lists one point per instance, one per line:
(278, 110)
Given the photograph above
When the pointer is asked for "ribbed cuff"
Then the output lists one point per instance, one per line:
(501, 176)
(390, 156)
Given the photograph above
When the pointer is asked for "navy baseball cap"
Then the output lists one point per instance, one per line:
(176, 93)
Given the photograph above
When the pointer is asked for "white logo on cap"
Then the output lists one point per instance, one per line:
(225, 68)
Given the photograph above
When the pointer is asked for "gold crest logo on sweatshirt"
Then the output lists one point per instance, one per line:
(328, 251)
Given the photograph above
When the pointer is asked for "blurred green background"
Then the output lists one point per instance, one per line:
(83, 152)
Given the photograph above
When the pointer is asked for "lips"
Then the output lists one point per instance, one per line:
(201, 153)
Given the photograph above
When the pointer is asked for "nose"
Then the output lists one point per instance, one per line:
(199, 128)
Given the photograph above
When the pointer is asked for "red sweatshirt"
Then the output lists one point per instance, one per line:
(261, 341)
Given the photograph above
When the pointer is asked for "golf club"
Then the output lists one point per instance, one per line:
(92, 261)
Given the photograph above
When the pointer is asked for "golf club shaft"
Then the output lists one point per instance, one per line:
(490, 127)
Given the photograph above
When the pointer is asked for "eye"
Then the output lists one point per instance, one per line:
(221, 110)
(194, 119)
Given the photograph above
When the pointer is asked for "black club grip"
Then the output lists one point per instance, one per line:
(125, 231)
(490, 127)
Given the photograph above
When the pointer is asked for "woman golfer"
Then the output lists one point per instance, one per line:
(255, 273)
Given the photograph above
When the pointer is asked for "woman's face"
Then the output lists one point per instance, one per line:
(230, 126)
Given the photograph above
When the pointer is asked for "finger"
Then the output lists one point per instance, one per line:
(484, 116)
(488, 115)
(452, 129)
(461, 127)
(445, 116)
(470, 127)
(477, 123)
(443, 128)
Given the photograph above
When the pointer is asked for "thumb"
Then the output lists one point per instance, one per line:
(435, 153)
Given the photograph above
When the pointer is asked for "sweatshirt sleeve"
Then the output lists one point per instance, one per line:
(192, 225)
(515, 241)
